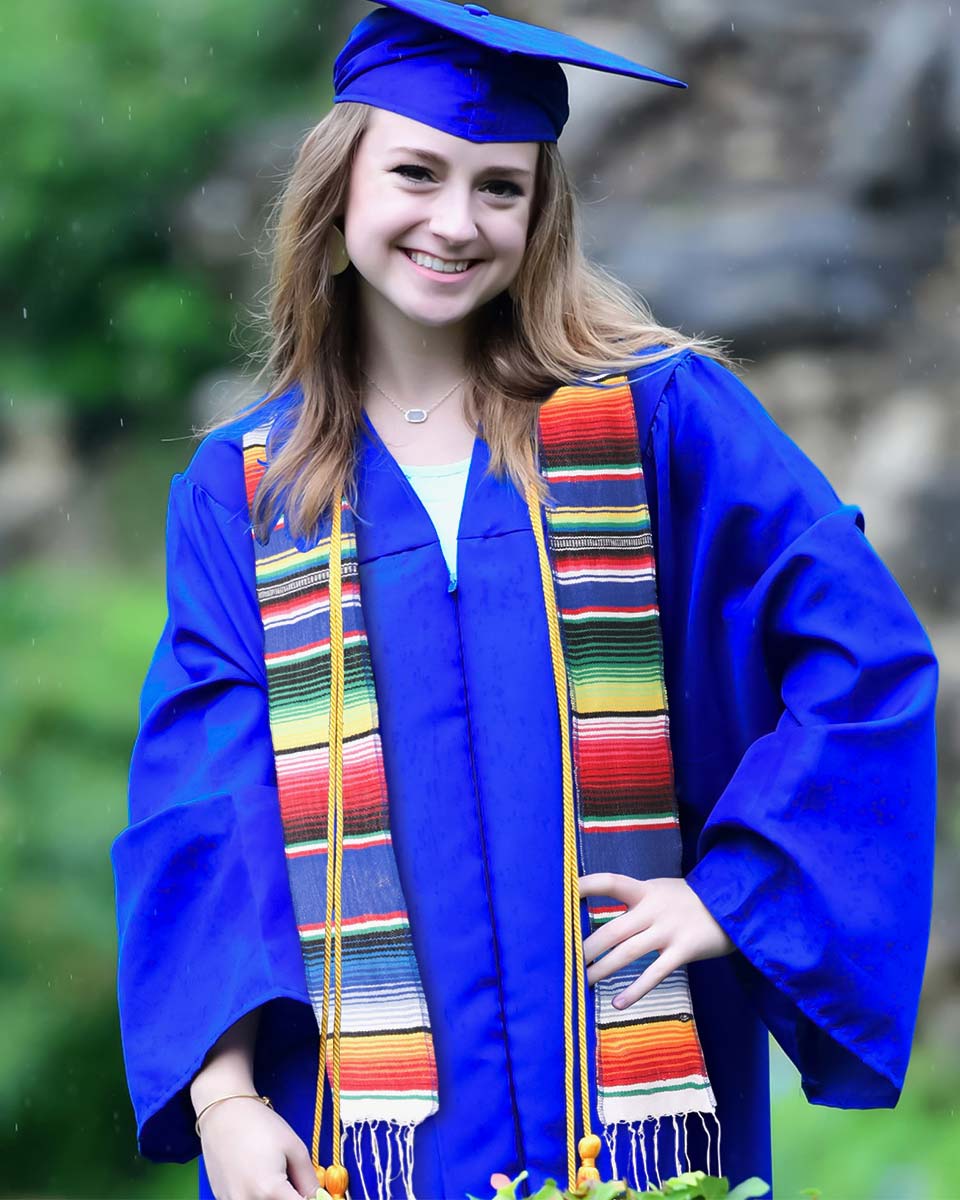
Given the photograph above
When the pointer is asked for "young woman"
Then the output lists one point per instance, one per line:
(530, 595)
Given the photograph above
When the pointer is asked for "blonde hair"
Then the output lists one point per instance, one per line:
(562, 317)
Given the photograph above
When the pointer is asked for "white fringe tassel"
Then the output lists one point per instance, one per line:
(645, 1158)
(384, 1172)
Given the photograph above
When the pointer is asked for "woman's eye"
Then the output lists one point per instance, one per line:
(503, 188)
(412, 171)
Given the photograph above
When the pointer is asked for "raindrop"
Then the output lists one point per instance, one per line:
(121, 422)
(24, 316)
(732, 27)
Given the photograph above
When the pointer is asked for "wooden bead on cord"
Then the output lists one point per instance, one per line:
(337, 1179)
(589, 1148)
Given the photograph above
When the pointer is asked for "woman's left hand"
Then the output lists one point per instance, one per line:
(662, 914)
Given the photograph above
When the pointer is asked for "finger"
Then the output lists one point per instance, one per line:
(301, 1170)
(608, 883)
(662, 966)
(283, 1189)
(614, 931)
(638, 946)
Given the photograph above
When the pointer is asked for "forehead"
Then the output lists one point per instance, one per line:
(388, 132)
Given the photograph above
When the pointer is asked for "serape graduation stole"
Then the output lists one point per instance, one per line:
(387, 1070)
(649, 1062)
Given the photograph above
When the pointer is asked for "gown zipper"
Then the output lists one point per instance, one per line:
(514, 1108)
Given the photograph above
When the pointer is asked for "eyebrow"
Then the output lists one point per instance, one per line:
(440, 161)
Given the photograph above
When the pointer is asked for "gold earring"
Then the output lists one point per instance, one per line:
(337, 250)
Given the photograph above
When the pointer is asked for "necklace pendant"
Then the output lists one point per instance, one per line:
(416, 416)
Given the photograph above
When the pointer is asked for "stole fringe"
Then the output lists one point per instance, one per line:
(642, 1153)
(399, 1139)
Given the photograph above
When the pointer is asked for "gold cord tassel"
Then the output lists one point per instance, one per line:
(334, 1179)
(589, 1145)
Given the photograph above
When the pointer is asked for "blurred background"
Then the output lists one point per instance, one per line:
(800, 200)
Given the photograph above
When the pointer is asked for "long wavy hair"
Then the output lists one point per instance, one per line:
(561, 318)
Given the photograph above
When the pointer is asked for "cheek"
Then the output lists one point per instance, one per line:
(513, 236)
(380, 219)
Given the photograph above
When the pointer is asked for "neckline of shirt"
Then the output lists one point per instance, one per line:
(434, 470)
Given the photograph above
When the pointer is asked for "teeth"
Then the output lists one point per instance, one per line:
(438, 264)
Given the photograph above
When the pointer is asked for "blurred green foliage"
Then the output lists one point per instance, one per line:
(73, 649)
(911, 1152)
(113, 111)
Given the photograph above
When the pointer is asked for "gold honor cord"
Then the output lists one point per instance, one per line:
(573, 975)
(335, 1177)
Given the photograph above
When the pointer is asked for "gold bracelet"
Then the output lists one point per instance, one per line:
(239, 1096)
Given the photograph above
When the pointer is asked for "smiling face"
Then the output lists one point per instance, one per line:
(435, 225)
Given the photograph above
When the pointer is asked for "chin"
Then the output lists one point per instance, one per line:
(440, 319)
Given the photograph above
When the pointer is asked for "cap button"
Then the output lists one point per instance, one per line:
(477, 10)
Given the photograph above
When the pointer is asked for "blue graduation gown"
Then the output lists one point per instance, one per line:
(801, 690)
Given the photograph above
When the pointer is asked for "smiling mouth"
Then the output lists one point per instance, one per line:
(440, 266)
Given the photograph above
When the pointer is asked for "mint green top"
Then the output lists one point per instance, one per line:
(441, 490)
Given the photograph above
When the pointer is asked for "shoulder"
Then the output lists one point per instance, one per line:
(691, 390)
(675, 387)
(681, 381)
(721, 440)
(217, 465)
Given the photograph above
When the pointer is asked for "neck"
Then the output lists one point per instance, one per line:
(413, 363)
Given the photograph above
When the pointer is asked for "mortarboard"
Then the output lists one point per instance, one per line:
(467, 71)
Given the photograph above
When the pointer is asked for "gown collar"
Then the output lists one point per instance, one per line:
(391, 518)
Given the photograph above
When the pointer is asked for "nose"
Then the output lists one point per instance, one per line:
(452, 217)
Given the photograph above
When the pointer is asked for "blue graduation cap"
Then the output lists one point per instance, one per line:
(467, 71)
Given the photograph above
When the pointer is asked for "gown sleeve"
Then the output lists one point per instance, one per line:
(206, 930)
(803, 733)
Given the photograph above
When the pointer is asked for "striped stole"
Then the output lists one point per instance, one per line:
(387, 1066)
(649, 1063)
(601, 547)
